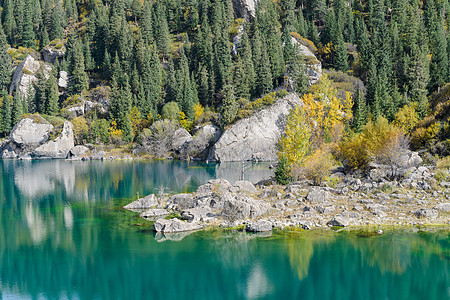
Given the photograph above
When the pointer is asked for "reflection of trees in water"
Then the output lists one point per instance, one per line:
(234, 249)
(301, 249)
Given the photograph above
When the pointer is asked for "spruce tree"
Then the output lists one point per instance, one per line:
(27, 31)
(229, 107)
(56, 29)
(51, 106)
(6, 113)
(146, 22)
(5, 62)
(439, 58)
(78, 80)
(9, 21)
(341, 56)
(360, 111)
(262, 65)
(297, 71)
(242, 90)
(163, 37)
(17, 109)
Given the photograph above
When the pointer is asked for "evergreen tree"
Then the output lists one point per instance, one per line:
(341, 56)
(163, 36)
(78, 80)
(229, 106)
(439, 67)
(297, 71)
(242, 90)
(56, 29)
(5, 62)
(6, 113)
(89, 63)
(262, 66)
(17, 109)
(9, 21)
(146, 22)
(27, 31)
(360, 111)
(51, 106)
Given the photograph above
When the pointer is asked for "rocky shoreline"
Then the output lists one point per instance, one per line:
(415, 200)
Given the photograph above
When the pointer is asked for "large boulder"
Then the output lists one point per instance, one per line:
(31, 132)
(241, 207)
(154, 212)
(214, 186)
(63, 81)
(60, 147)
(143, 203)
(174, 225)
(255, 138)
(180, 140)
(203, 140)
(259, 226)
(196, 214)
(181, 201)
(78, 151)
(25, 76)
(425, 213)
(317, 195)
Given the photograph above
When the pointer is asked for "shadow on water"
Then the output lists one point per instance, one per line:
(62, 235)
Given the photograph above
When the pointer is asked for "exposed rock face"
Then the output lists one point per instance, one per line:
(259, 226)
(78, 151)
(174, 225)
(63, 80)
(338, 221)
(196, 214)
(255, 138)
(180, 140)
(25, 76)
(203, 140)
(243, 186)
(31, 132)
(49, 55)
(214, 186)
(245, 9)
(60, 147)
(242, 207)
(182, 201)
(143, 203)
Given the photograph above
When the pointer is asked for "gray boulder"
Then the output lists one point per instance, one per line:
(204, 138)
(174, 225)
(181, 201)
(78, 151)
(214, 186)
(180, 140)
(196, 214)
(242, 207)
(338, 220)
(31, 132)
(444, 207)
(255, 138)
(317, 195)
(60, 147)
(154, 212)
(143, 203)
(243, 186)
(63, 80)
(9, 150)
(259, 226)
(24, 76)
(426, 213)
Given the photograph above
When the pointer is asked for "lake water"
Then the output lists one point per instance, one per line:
(64, 236)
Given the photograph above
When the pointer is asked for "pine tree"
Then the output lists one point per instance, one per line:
(17, 109)
(262, 66)
(203, 86)
(163, 37)
(245, 52)
(9, 21)
(146, 22)
(229, 106)
(439, 58)
(89, 63)
(56, 29)
(341, 56)
(27, 31)
(297, 71)
(78, 80)
(242, 90)
(107, 66)
(360, 111)
(5, 62)
(51, 106)
(6, 113)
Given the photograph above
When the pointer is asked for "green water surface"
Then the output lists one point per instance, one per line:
(64, 236)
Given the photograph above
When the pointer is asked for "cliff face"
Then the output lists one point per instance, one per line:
(245, 8)
(255, 138)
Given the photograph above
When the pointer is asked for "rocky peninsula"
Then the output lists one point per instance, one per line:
(417, 199)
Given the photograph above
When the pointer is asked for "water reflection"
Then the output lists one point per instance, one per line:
(62, 235)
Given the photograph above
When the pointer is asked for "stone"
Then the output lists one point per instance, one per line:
(196, 214)
(426, 213)
(445, 207)
(245, 9)
(154, 212)
(31, 131)
(63, 80)
(204, 138)
(214, 186)
(375, 206)
(242, 207)
(180, 140)
(143, 203)
(243, 186)
(60, 147)
(182, 201)
(24, 76)
(338, 221)
(259, 226)
(324, 209)
(78, 151)
(313, 65)
(255, 138)
(49, 54)
(317, 195)
(174, 225)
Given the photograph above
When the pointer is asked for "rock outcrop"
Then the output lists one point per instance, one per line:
(255, 138)
(259, 226)
(25, 76)
(245, 9)
(31, 132)
(78, 151)
(60, 147)
(49, 54)
(143, 203)
(174, 225)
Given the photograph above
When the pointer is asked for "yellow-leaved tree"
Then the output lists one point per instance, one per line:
(311, 129)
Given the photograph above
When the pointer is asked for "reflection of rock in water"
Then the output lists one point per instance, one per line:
(35, 222)
(253, 172)
(235, 249)
(40, 178)
(68, 217)
(176, 237)
(257, 285)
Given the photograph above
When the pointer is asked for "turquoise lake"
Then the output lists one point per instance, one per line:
(63, 235)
